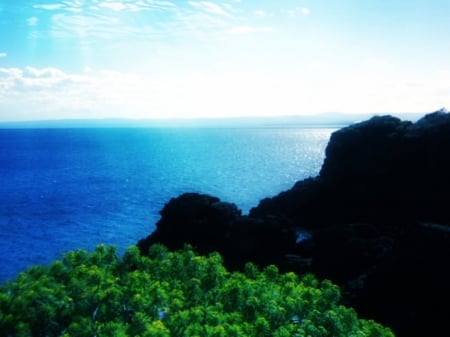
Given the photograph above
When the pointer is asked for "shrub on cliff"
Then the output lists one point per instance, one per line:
(171, 294)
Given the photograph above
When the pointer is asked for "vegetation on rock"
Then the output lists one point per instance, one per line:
(171, 294)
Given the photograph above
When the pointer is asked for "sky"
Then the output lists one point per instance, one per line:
(227, 58)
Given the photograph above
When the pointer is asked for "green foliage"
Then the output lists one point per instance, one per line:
(171, 294)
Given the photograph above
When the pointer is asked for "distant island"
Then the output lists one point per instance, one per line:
(376, 221)
(319, 120)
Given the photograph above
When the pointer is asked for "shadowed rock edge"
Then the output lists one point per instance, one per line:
(375, 220)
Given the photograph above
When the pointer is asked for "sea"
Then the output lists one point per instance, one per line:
(63, 189)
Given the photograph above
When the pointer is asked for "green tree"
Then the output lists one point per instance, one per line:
(172, 294)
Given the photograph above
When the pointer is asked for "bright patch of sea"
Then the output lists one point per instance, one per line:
(63, 189)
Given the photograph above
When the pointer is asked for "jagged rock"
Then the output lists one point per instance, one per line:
(263, 241)
(200, 220)
(345, 252)
(390, 178)
(377, 219)
(379, 170)
(408, 289)
(209, 225)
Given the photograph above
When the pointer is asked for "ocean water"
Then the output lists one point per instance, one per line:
(63, 189)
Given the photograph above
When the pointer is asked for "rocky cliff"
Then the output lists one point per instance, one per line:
(376, 220)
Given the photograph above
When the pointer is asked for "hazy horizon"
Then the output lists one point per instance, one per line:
(326, 120)
(146, 59)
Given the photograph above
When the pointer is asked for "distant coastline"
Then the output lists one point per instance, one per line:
(301, 121)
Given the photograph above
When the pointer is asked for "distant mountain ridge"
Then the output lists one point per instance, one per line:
(325, 119)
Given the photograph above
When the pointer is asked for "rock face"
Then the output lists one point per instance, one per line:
(212, 225)
(381, 168)
(200, 220)
(376, 220)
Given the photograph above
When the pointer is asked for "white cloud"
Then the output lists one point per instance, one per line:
(214, 8)
(298, 11)
(74, 9)
(209, 7)
(49, 7)
(50, 93)
(92, 20)
(2, 54)
(43, 93)
(115, 6)
(195, 4)
(87, 26)
(75, 3)
(30, 83)
(37, 93)
(47, 73)
(10, 71)
(156, 3)
(78, 6)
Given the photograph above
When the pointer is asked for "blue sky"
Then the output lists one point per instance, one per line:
(163, 58)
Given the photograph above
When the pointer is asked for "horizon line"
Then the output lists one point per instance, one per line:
(317, 118)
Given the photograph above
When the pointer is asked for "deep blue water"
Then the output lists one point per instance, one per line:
(63, 189)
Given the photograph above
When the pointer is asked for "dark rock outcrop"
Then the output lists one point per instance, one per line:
(200, 220)
(210, 225)
(376, 170)
(376, 220)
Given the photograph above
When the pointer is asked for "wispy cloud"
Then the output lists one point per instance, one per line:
(48, 92)
(39, 93)
(35, 89)
(3, 54)
(298, 11)
(43, 93)
(107, 18)
(209, 7)
(128, 5)
(248, 29)
(49, 7)
(115, 6)
(86, 26)
(19, 81)
(44, 73)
